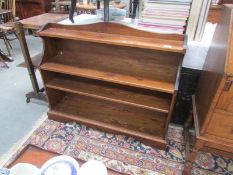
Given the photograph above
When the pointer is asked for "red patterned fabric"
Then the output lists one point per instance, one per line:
(122, 153)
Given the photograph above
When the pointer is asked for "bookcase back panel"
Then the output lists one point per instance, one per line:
(54, 97)
(159, 65)
(50, 50)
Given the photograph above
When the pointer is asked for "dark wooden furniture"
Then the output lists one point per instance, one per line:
(112, 77)
(213, 101)
(29, 8)
(225, 2)
(34, 23)
(37, 156)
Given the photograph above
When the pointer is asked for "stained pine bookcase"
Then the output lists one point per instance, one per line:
(112, 77)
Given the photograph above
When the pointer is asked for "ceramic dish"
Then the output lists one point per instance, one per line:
(24, 169)
(93, 167)
(60, 165)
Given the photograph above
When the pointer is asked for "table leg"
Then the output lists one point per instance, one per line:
(37, 93)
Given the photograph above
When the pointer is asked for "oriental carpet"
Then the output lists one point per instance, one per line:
(122, 153)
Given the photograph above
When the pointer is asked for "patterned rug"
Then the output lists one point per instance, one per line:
(122, 153)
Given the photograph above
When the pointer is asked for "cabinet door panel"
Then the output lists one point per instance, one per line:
(230, 107)
(225, 101)
(221, 125)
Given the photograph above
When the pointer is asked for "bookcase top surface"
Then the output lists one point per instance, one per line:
(116, 34)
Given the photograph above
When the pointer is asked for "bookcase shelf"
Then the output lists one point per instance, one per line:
(112, 77)
(110, 116)
(111, 92)
(105, 37)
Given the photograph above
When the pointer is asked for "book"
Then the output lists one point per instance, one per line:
(167, 6)
(172, 1)
(167, 15)
(157, 16)
(163, 21)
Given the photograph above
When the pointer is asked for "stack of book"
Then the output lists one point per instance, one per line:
(165, 15)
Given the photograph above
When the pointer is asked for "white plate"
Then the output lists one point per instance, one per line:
(93, 167)
(60, 165)
(23, 169)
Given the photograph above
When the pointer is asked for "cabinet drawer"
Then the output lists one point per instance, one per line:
(221, 125)
(225, 101)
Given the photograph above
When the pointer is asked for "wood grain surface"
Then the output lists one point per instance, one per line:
(37, 156)
(112, 77)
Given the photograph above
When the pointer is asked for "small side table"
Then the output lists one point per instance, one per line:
(34, 23)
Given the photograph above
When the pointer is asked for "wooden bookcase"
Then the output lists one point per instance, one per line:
(213, 100)
(112, 77)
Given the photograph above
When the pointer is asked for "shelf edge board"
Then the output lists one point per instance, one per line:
(99, 38)
(66, 69)
(109, 127)
(109, 99)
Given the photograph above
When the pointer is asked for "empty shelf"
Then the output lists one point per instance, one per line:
(136, 97)
(110, 77)
(111, 116)
(116, 39)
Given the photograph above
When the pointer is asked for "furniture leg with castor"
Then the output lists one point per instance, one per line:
(37, 93)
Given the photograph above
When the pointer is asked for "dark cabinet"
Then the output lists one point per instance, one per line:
(29, 8)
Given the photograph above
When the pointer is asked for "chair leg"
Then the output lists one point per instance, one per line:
(16, 35)
(8, 41)
(7, 44)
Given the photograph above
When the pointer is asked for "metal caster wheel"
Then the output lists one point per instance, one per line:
(28, 100)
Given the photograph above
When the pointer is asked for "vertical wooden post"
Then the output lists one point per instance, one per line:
(36, 93)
